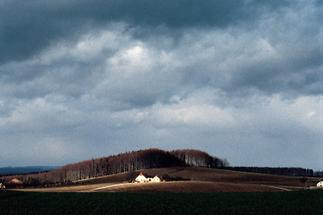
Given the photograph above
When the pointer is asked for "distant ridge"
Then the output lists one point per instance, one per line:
(24, 169)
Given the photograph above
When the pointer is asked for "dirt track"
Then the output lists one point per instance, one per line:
(187, 186)
(178, 186)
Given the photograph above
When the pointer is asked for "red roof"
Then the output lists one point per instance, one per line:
(15, 181)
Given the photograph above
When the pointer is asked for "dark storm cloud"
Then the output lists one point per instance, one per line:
(300, 73)
(80, 79)
(29, 26)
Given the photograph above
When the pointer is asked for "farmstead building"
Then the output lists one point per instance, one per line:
(155, 179)
(15, 183)
(2, 186)
(141, 179)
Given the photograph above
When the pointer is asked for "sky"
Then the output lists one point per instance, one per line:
(240, 79)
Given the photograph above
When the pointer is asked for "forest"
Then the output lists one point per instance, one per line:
(287, 171)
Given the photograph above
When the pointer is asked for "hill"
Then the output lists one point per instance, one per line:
(188, 179)
(184, 170)
(206, 174)
(120, 163)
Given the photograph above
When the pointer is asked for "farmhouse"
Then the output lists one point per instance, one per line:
(320, 184)
(2, 186)
(155, 179)
(15, 183)
(141, 179)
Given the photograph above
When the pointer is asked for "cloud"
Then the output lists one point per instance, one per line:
(27, 28)
(240, 79)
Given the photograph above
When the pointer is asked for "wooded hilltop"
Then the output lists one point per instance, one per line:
(124, 162)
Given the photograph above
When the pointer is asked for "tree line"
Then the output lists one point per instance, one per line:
(287, 171)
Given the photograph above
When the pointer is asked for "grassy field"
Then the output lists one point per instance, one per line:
(298, 202)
